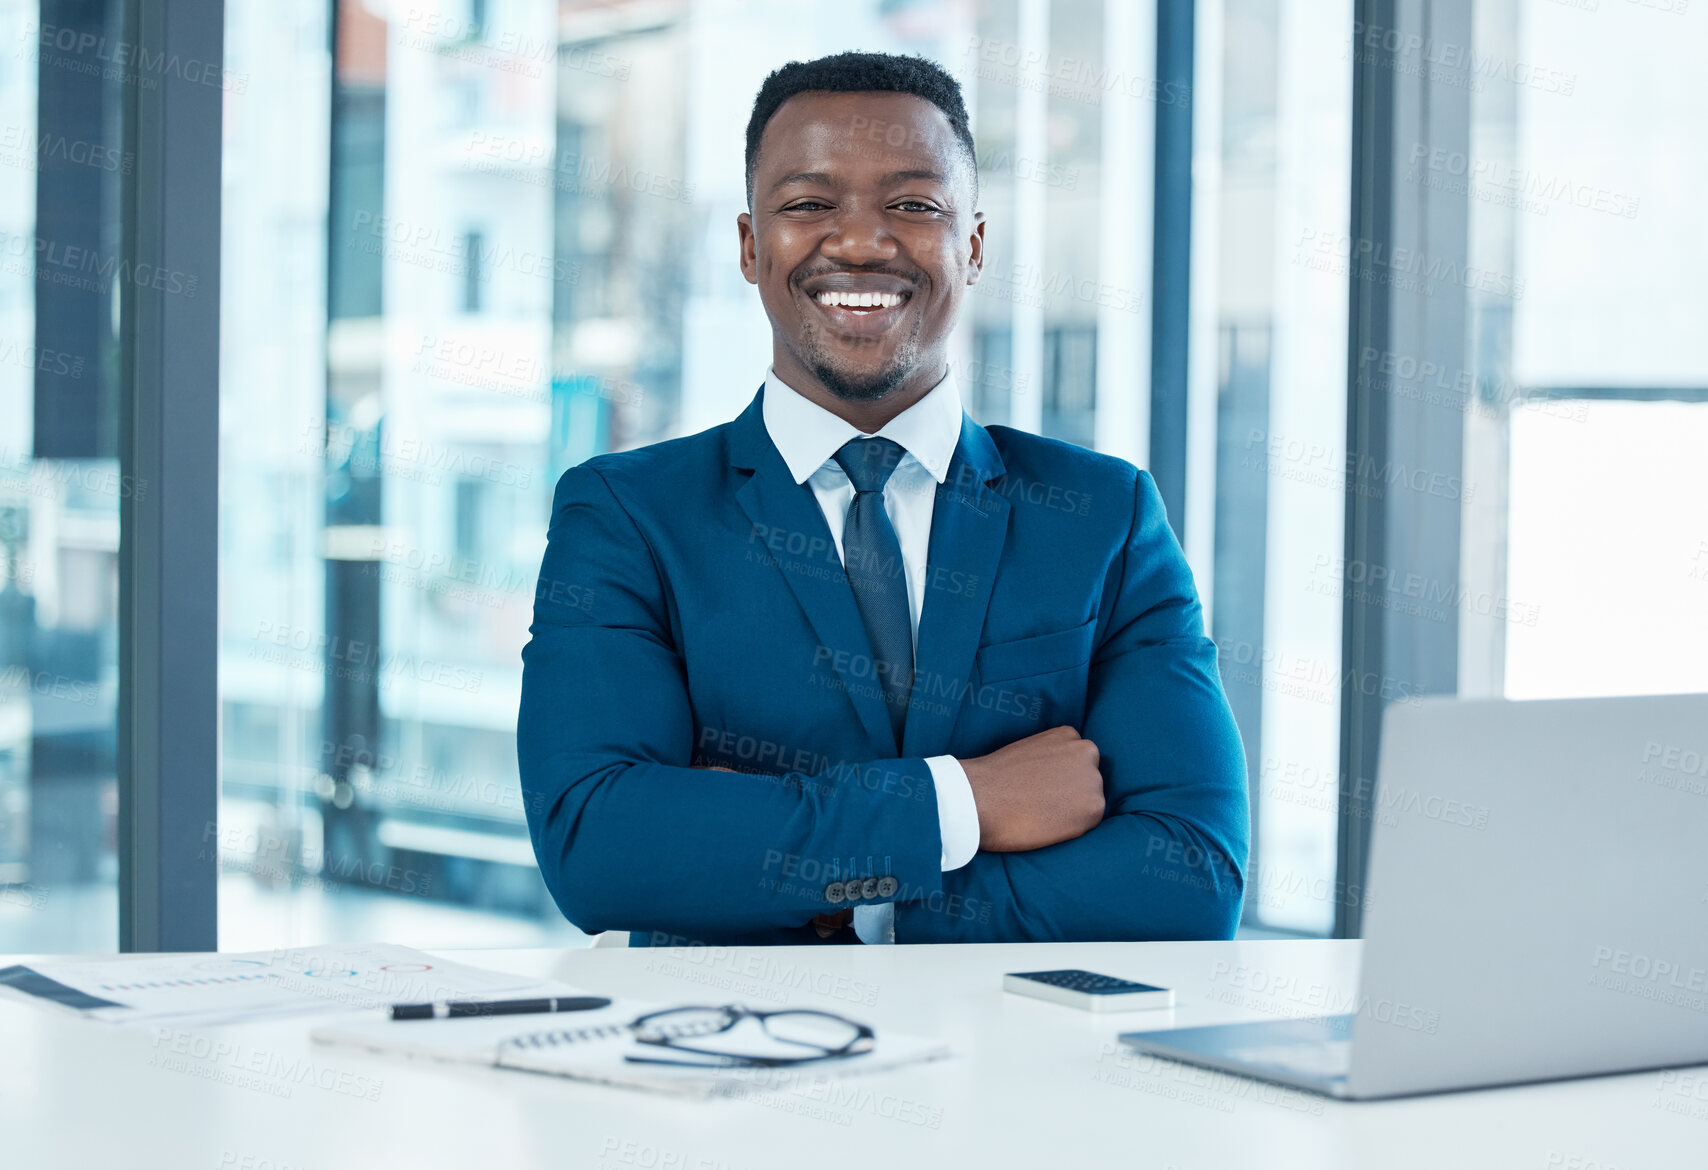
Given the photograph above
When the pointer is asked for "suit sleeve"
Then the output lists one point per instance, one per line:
(628, 836)
(1168, 861)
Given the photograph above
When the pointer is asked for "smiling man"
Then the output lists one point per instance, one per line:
(851, 667)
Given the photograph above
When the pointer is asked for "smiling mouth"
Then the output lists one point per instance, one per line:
(860, 303)
(861, 316)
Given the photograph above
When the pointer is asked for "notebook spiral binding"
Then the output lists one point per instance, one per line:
(601, 1032)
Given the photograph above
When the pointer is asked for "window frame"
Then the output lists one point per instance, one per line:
(168, 707)
(1398, 96)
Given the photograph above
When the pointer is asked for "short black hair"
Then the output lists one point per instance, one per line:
(861, 73)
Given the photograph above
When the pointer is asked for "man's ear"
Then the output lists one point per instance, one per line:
(749, 253)
(975, 262)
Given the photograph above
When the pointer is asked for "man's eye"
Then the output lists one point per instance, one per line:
(806, 205)
(915, 205)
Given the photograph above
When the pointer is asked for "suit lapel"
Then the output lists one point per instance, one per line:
(776, 504)
(969, 524)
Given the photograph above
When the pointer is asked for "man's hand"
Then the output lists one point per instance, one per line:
(1037, 791)
(829, 924)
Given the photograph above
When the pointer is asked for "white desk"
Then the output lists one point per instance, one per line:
(1031, 1084)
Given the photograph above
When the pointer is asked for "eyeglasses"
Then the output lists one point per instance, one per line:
(735, 1036)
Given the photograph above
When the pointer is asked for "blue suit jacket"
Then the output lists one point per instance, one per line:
(692, 610)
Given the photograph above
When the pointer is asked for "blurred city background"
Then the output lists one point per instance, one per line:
(470, 243)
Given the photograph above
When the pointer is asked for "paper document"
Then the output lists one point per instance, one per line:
(207, 989)
(595, 1045)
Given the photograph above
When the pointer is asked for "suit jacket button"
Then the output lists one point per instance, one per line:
(851, 889)
(869, 888)
(834, 893)
(887, 887)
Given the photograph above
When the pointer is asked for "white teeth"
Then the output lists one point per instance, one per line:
(861, 300)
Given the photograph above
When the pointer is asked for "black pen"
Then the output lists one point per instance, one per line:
(496, 1007)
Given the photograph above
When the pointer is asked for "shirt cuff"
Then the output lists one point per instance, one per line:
(957, 813)
(876, 925)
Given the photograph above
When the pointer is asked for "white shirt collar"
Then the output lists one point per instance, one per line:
(807, 435)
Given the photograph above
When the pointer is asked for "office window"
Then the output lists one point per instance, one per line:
(61, 263)
(1532, 508)
(1587, 552)
(1063, 96)
(1274, 94)
(396, 417)
(1607, 549)
(1526, 385)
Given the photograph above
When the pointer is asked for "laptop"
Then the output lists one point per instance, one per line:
(1536, 906)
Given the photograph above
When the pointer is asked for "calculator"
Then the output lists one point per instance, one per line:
(1088, 990)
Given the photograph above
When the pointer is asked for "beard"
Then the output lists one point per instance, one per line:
(864, 385)
(867, 387)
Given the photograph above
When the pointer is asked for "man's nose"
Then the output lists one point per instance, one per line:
(859, 235)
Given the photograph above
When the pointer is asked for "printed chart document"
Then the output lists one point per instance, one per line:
(596, 1046)
(186, 990)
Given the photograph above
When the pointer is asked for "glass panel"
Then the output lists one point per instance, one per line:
(1591, 410)
(1608, 571)
(1280, 209)
(472, 245)
(60, 487)
(388, 401)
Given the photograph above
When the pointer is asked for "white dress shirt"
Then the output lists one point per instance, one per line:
(808, 436)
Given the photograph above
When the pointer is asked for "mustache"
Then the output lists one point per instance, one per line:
(912, 276)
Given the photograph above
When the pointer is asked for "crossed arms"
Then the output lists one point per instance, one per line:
(1133, 826)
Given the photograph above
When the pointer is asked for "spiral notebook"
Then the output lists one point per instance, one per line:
(593, 1046)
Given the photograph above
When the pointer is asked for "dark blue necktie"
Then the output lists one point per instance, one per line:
(871, 555)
